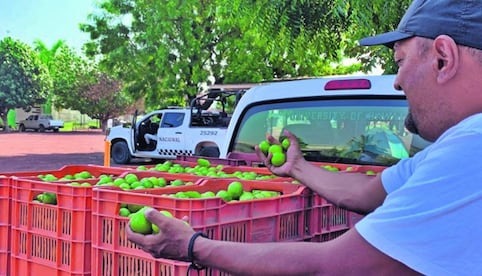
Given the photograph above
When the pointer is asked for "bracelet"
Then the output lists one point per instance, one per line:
(190, 253)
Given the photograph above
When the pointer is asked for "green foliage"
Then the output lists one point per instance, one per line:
(24, 80)
(165, 50)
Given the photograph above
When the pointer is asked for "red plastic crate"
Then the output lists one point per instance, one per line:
(50, 239)
(327, 218)
(5, 206)
(95, 170)
(274, 219)
(328, 236)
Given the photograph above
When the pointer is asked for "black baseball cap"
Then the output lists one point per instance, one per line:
(459, 19)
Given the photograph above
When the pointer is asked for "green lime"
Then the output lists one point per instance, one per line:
(139, 223)
(177, 182)
(275, 148)
(235, 189)
(162, 182)
(203, 162)
(278, 159)
(246, 196)
(208, 194)
(119, 181)
(134, 207)
(124, 212)
(193, 194)
(224, 195)
(285, 143)
(264, 146)
(131, 178)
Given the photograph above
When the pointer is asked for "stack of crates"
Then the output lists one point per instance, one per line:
(84, 233)
(5, 225)
(274, 219)
(56, 238)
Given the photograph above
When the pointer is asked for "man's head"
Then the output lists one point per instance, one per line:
(438, 48)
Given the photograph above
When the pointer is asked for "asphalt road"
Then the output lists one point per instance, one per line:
(32, 151)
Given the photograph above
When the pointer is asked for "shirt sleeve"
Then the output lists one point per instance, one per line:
(429, 220)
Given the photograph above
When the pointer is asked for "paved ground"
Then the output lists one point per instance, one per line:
(33, 151)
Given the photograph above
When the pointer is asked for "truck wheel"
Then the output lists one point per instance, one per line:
(21, 128)
(209, 152)
(120, 153)
(41, 128)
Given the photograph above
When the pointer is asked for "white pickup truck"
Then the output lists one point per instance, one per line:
(41, 123)
(355, 120)
(167, 133)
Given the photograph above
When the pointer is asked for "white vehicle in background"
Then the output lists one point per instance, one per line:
(354, 120)
(41, 123)
(168, 133)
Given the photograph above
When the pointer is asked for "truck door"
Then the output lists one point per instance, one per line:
(29, 123)
(171, 136)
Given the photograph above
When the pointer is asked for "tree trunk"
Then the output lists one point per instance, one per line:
(103, 124)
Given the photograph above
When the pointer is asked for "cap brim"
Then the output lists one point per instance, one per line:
(387, 39)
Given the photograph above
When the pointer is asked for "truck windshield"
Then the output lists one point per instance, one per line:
(361, 131)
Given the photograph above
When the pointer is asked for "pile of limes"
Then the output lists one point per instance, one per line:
(132, 182)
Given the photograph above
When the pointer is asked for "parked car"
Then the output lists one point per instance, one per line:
(41, 123)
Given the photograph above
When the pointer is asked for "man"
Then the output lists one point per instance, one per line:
(423, 213)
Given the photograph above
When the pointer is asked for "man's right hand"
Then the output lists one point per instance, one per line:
(293, 155)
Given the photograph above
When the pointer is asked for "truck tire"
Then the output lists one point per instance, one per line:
(209, 152)
(120, 153)
(41, 128)
(21, 128)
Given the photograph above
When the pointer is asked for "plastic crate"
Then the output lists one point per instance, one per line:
(327, 218)
(50, 239)
(95, 170)
(5, 220)
(274, 219)
(327, 236)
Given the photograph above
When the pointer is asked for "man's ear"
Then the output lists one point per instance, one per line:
(447, 58)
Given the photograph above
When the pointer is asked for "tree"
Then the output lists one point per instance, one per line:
(79, 85)
(67, 70)
(101, 98)
(24, 80)
(47, 56)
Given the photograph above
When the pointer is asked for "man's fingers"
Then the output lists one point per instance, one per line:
(133, 236)
(155, 217)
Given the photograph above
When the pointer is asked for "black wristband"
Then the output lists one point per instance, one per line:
(190, 253)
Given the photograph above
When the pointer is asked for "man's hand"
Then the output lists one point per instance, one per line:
(172, 240)
(293, 155)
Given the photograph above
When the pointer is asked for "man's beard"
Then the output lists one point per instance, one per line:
(410, 124)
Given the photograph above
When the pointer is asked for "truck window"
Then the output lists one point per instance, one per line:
(362, 131)
(172, 119)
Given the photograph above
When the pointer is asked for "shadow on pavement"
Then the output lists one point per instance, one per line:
(39, 162)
